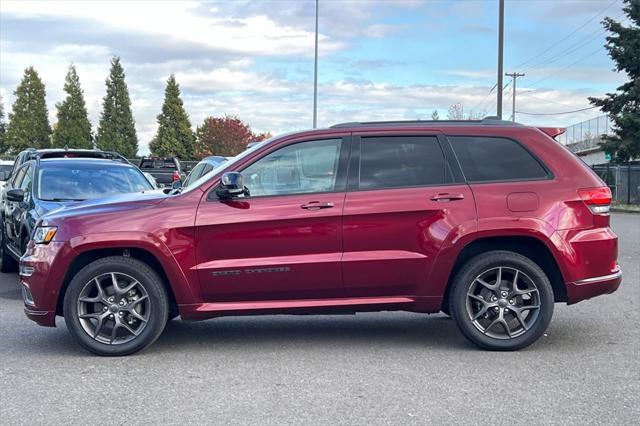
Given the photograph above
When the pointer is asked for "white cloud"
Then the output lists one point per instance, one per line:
(227, 80)
(181, 21)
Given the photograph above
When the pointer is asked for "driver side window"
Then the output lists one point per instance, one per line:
(301, 168)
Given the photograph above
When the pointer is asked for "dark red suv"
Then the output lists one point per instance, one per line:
(487, 221)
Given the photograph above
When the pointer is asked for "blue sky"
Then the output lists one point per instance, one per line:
(378, 59)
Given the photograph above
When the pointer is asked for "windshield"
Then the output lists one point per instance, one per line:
(226, 165)
(76, 182)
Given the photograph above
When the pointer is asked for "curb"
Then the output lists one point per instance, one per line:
(619, 209)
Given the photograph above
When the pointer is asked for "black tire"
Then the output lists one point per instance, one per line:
(7, 262)
(462, 305)
(149, 282)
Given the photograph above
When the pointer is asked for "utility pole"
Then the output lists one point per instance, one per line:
(500, 57)
(315, 76)
(514, 76)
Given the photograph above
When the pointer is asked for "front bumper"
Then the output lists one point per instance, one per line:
(42, 272)
(591, 287)
(43, 318)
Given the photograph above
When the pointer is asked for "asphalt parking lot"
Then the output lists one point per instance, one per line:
(381, 368)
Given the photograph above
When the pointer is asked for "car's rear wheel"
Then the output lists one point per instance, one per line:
(116, 306)
(502, 300)
(7, 262)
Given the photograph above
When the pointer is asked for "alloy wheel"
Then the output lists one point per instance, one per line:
(503, 302)
(113, 308)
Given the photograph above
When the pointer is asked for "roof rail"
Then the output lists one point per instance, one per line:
(485, 121)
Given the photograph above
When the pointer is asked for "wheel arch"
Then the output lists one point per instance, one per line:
(528, 246)
(86, 257)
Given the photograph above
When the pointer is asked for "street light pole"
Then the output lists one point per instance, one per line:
(500, 57)
(514, 76)
(315, 76)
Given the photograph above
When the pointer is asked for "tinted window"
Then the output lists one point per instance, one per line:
(195, 174)
(86, 181)
(392, 162)
(17, 177)
(295, 169)
(25, 185)
(5, 168)
(491, 159)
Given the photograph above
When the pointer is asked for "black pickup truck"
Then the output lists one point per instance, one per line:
(164, 170)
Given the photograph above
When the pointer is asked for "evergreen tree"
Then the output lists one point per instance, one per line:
(3, 129)
(28, 121)
(435, 115)
(623, 106)
(116, 130)
(174, 137)
(73, 128)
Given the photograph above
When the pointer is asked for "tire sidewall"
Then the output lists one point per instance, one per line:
(148, 279)
(492, 259)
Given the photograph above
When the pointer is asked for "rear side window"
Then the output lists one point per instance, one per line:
(485, 159)
(401, 161)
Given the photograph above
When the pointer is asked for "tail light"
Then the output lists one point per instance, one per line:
(597, 199)
(175, 176)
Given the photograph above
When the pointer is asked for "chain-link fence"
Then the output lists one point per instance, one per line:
(623, 179)
(586, 135)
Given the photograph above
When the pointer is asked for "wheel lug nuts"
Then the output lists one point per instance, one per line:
(111, 316)
(504, 294)
(511, 301)
(104, 309)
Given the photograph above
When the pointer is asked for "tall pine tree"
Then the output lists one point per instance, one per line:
(623, 106)
(174, 136)
(116, 130)
(28, 121)
(3, 129)
(73, 128)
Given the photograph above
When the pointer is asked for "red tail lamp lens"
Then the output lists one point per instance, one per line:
(596, 196)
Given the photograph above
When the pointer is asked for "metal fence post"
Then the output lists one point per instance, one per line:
(629, 182)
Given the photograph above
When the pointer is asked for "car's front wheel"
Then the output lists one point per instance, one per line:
(116, 306)
(502, 300)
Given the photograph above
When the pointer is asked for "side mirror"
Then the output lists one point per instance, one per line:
(176, 184)
(15, 195)
(231, 185)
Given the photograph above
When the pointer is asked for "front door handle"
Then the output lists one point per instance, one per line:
(317, 205)
(447, 197)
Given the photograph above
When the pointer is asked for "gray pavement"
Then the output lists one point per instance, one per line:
(380, 368)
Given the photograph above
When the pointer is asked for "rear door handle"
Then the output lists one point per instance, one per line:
(317, 205)
(447, 197)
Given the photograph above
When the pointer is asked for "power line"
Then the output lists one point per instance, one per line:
(571, 49)
(557, 43)
(556, 113)
(487, 95)
(565, 68)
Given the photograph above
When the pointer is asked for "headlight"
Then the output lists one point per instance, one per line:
(44, 234)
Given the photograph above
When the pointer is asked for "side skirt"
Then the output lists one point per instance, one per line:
(310, 306)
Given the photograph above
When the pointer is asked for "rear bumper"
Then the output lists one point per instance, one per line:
(591, 287)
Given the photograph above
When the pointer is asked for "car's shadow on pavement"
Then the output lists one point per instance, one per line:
(393, 330)
(267, 333)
